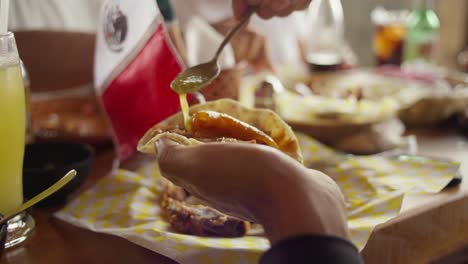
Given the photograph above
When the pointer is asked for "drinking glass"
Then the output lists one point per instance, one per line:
(12, 140)
(389, 35)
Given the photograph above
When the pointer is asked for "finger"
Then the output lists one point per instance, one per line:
(278, 5)
(188, 164)
(265, 10)
(328, 183)
(286, 12)
(288, 9)
(178, 163)
(302, 4)
(165, 149)
(253, 2)
(239, 7)
(295, 5)
(162, 144)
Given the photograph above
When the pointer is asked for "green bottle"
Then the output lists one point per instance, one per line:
(423, 33)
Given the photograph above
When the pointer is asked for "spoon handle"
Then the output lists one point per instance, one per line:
(44, 194)
(234, 30)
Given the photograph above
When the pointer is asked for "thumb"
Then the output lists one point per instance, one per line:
(162, 145)
(171, 158)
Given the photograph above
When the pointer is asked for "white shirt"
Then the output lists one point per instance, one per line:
(66, 15)
(83, 15)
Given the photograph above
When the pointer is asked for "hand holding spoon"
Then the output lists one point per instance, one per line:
(52, 189)
(195, 78)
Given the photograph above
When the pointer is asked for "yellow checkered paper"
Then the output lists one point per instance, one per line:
(126, 204)
(314, 109)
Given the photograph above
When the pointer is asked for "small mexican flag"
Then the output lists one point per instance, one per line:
(134, 65)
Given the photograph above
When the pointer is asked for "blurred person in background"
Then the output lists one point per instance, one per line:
(268, 40)
(50, 25)
(57, 15)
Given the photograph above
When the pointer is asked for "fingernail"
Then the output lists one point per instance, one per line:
(159, 146)
(162, 143)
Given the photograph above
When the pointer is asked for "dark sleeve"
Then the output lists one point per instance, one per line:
(312, 249)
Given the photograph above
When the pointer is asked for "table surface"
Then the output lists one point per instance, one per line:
(429, 227)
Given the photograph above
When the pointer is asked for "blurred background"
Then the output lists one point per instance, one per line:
(56, 40)
(63, 31)
(453, 15)
(71, 24)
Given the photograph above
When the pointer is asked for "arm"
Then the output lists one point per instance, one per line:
(312, 249)
(299, 208)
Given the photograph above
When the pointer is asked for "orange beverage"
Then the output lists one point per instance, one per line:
(389, 44)
(389, 35)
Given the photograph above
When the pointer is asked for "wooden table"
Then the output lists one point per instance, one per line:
(430, 227)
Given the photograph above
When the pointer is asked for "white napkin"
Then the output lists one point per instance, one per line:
(202, 41)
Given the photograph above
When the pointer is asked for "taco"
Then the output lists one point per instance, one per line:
(223, 120)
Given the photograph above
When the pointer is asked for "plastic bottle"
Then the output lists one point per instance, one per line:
(423, 33)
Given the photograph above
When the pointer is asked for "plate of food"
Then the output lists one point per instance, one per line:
(352, 111)
(442, 92)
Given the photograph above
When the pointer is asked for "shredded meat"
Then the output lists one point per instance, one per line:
(189, 215)
(202, 220)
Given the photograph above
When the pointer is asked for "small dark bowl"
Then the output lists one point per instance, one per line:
(46, 163)
(3, 235)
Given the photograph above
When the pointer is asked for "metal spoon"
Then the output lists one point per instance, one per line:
(195, 78)
(52, 189)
